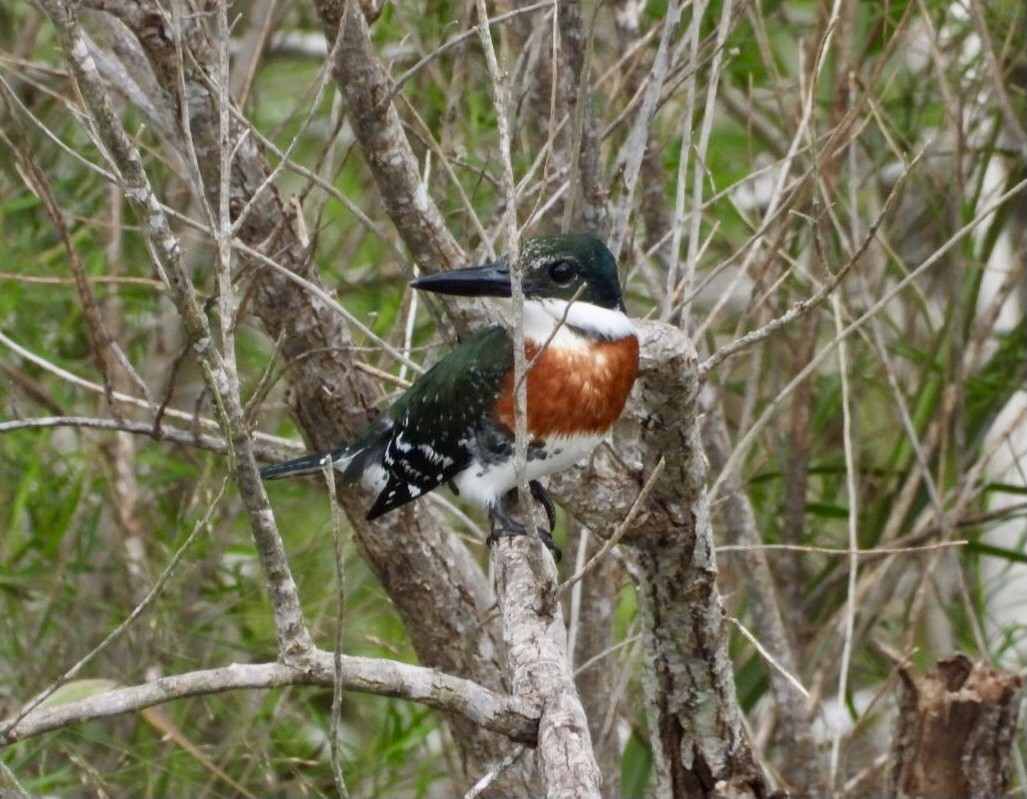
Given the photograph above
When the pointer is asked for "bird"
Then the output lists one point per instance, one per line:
(455, 424)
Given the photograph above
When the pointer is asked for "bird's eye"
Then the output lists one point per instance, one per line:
(563, 272)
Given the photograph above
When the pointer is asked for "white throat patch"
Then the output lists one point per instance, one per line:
(577, 321)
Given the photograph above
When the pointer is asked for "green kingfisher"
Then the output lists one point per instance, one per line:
(455, 423)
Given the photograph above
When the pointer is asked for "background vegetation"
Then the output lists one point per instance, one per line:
(788, 141)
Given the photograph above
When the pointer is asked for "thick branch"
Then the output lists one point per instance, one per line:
(697, 730)
(536, 640)
(367, 87)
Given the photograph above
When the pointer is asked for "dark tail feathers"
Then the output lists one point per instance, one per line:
(308, 464)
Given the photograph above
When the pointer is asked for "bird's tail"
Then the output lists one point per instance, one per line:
(308, 464)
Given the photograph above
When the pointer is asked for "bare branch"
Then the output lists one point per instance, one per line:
(506, 715)
(368, 88)
(164, 248)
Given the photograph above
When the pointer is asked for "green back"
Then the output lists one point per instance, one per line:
(451, 396)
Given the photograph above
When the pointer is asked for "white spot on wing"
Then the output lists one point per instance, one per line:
(429, 452)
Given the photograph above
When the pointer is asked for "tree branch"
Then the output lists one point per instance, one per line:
(506, 715)
(540, 671)
(165, 251)
(368, 88)
(697, 728)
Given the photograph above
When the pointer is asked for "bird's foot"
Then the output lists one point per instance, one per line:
(504, 525)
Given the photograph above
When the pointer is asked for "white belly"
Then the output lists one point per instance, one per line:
(485, 484)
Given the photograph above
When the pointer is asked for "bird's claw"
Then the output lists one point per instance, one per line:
(508, 526)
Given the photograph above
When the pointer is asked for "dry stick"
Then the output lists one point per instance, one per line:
(859, 553)
(171, 434)
(631, 639)
(699, 160)
(769, 657)
(532, 623)
(634, 145)
(548, 149)
(493, 773)
(853, 526)
(19, 789)
(506, 715)
(117, 280)
(222, 223)
(684, 156)
(499, 85)
(165, 251)
(328, 470)
(742, 447)
(567, 33)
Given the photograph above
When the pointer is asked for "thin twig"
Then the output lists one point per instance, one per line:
(803, 307)
(860, 553)
(769, 658)
(493, 773)
(328, 469)
(634, 146)
(852, 491)
(742, 447)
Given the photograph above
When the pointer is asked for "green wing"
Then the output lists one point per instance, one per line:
(458, 389)
(426, 437)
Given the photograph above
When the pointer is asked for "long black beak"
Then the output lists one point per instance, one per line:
(490, 280)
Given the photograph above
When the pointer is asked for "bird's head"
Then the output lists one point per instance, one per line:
(572, 266)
